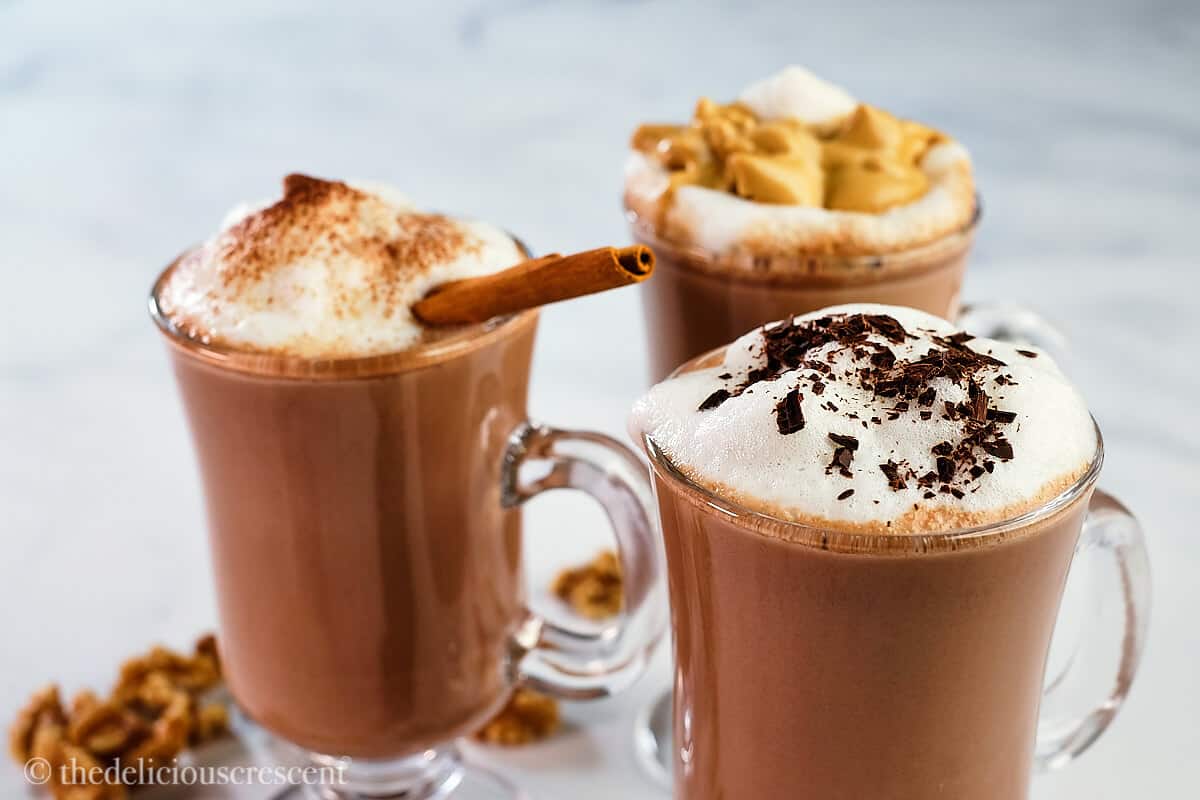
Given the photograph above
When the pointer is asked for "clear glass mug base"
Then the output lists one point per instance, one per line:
(440, 773)
(653, 739)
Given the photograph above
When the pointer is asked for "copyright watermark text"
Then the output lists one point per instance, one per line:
(41, 772)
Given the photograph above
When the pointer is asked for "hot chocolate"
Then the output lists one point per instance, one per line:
(366, 608)
(869, 518)
(363, 481)
(793, 198)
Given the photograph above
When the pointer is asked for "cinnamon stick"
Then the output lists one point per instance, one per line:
(534, 283)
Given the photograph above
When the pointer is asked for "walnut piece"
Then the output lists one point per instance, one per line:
(103, 727)
(527, 717)
(43, 710)
(594, 590)
(152, 715)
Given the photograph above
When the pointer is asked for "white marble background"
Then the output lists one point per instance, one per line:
(127, 128)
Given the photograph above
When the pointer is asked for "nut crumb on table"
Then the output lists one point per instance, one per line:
(153, 714)
(155, 710)
(527, 717)
(593, 590)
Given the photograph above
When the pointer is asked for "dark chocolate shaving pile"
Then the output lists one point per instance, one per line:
(954, 466)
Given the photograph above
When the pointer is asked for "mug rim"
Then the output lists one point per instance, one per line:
(846, 541)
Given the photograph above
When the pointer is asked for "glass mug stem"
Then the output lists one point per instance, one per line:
(575, 662)
(1080, 703)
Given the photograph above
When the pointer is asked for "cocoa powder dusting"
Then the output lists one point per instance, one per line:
(317, 218)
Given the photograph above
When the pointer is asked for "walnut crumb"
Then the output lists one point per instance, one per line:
(528, 716)
(593, 590)
(154, 712)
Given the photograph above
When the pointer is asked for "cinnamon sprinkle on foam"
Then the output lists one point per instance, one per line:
(328, 270)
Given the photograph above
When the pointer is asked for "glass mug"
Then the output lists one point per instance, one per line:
(825, 664)
(364, 519)
(698, 300)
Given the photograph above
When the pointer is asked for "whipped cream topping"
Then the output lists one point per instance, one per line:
(874, 419)
(328, 271)
(796, 93)
(724, 224)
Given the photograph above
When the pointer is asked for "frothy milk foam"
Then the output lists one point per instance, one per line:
(875, 419)
(328, 271)
(796, 93)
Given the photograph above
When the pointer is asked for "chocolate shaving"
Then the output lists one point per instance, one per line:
(843, 457)
(977, 404)
(999, 448)
(1027, 353)
(887, 326)
(859, 349)
(845, 494)
(945, 469)
(789, 416)
(883, 359)
(892, 471)
(849, 442)
(715, 399)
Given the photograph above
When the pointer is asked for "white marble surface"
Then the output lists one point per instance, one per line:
(126, 129)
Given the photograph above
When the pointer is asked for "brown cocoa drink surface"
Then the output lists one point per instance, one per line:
(368, 576)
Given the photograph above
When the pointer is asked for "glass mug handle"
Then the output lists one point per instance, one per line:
(1013, 323)
(577, 662)
(1080, 703)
